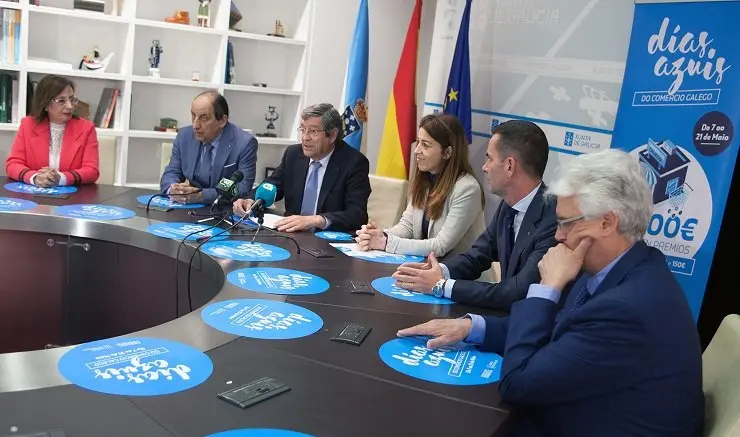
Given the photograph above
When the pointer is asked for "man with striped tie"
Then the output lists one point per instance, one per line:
(605, 344)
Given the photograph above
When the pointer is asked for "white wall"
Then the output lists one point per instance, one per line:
(334, 23)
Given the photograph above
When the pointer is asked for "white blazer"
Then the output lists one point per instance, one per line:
(453, 232)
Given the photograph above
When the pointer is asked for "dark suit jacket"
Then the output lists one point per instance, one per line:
(344, 189)
(237, 150)
(536, 236)
(626, 363)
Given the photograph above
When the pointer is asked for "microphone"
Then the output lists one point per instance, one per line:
(228, 189)
(264, 197)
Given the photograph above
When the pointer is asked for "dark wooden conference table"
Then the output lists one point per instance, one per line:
(336, 389)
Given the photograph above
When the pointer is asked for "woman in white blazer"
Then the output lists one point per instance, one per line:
(444, 215)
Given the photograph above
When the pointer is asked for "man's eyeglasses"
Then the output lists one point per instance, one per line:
(566, 224)
(310, 132)
(61, 101)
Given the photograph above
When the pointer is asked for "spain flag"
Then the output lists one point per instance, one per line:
(399, 130)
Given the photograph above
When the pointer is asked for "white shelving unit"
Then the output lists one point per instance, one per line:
(55, 30)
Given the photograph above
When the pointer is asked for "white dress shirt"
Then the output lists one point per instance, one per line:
(55, 151)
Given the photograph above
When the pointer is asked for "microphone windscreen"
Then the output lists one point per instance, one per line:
(267, 192)
(237, 176)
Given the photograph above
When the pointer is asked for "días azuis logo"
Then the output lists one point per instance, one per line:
(682, 202)
(13, 205)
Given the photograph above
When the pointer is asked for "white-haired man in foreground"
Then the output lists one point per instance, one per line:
(621, 356)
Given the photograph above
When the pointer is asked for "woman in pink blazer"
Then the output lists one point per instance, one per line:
(54, 147)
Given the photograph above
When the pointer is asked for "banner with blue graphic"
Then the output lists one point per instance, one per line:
(261, 318)
(8, 204)
(94, 212)
(678, 109)
(387, 285)
(274, 280)
(20, 187)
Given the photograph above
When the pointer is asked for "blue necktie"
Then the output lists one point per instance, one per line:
(203, 175)
(582, 297)
(311, 193)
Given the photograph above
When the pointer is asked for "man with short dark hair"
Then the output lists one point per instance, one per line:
(210, 149)
(324, 181)
(521, 231)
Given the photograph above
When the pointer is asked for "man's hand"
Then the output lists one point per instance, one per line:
(295, 223)
(241, 206)
(370, 237)
(196, 197)
(419, 277)
(560, 265)
(183, 188)
(445, 332)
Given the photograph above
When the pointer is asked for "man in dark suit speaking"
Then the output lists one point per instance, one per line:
(210, 149)
(324, 181)
(621, 356)
(521, 231)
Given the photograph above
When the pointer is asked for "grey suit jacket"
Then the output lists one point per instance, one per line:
(453, 232)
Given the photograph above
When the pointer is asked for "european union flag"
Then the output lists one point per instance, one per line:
(457, 97)
(355, 109)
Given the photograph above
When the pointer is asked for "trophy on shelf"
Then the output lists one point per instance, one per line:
(92, 62)
(270, 116)
(155, 56)
(279, 30)
(204, 13)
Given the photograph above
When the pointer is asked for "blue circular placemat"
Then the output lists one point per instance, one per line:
(261, 318)
(164, 202)
(178, 231)
(245, 251)
(8, 204)
(334, 236)
(387, 285)
(467, 366)
(94, 212)
(135, 366)
(20, 187)
(273, 280)
(259, 432)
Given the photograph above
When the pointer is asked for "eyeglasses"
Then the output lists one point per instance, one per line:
(567, 224)
(61, 101)
(311, 132)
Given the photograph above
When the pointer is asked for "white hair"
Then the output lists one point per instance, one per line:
(609, 180)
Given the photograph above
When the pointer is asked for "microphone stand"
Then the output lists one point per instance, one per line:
(149, 203)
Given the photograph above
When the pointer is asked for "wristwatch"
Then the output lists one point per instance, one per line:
(439, 288)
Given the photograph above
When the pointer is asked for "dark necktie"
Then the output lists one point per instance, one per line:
(509, 214)
(582, 296)
(203, 176)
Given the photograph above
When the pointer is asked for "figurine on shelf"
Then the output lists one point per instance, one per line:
(179, 17)
(204, 13)
(155, 57)
(270, 116)
(279, 30)
(94, 63)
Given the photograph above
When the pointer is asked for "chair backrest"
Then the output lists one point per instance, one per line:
(166, 154)
(107, 159)
(387, 200)
(721, 380)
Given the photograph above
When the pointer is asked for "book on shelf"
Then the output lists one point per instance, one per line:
(8, 95)
(106, 108)
(10, 36)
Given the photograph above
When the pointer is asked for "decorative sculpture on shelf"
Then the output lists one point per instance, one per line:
(279, 30)
(94, 63)
(270, 116)
(155, 57)
(235, 16)
(179, 17)
(167, 125)
(204, 13)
